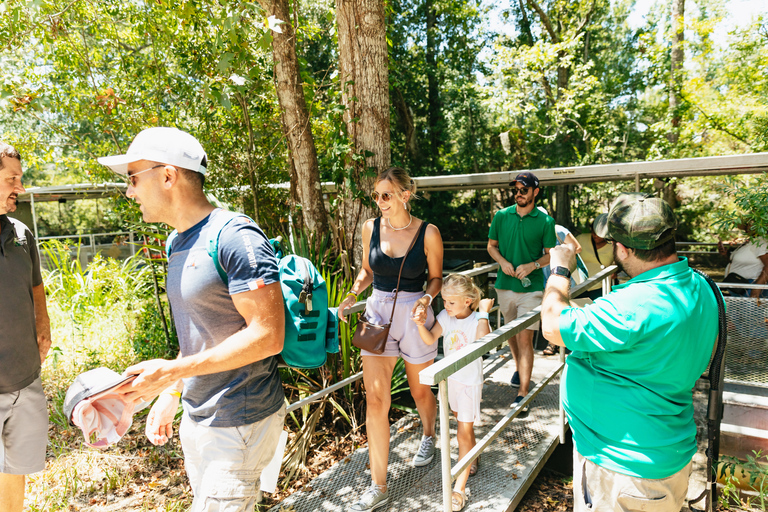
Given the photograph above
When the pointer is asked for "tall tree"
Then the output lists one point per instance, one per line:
(677, 59)
(364, 78)
(305, 175)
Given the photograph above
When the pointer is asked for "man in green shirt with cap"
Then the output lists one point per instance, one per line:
(519, 241)
(637, 353)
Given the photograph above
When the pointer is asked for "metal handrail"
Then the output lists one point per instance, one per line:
(439, 372)
(743, 286)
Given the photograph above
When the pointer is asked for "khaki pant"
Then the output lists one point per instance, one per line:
(598, 489)
(224, 464)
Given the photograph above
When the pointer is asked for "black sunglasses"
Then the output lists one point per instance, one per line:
(522, 190)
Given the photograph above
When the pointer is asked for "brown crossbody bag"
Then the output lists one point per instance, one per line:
(372, 337)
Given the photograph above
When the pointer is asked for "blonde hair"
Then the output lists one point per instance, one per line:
(400, 178)
(462, 286)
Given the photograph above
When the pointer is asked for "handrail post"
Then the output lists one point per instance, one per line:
(561, 410)
(445, 444)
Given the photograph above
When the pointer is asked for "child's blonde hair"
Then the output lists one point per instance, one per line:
(462, 286)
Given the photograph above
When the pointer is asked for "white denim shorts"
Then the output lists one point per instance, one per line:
(514, 305)
(404, 339)
(23, 430)
(224, 464)
(465, 401)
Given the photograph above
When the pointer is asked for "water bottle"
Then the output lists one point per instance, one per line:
(525, 282)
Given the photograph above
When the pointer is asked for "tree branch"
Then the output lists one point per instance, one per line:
(545, 20)
(716, 123)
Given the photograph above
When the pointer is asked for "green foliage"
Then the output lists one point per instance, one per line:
(749, 196)
(751, 474)
(105, 283)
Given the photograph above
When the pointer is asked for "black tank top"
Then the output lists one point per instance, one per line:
(385, 268)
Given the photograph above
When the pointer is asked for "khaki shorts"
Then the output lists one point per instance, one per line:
(224, 464)
(514, 305)
(597, 489)
(23, 430)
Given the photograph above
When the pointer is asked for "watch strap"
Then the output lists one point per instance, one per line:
(561, 271)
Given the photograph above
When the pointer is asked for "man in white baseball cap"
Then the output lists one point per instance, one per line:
(165, 145)
(229, 332)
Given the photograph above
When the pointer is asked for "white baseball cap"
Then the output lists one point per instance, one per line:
(163, 145)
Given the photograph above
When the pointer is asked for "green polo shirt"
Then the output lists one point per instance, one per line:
(637, 354)
(522, 240)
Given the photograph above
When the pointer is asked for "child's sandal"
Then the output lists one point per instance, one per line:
(458, 500)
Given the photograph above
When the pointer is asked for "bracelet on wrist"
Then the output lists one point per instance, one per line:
(480, 315)
(431, 298)
(350, 292)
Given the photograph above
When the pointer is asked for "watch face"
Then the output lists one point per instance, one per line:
(561, 271)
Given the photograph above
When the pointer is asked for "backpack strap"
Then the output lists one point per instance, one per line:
(220, 221)
(169, 242)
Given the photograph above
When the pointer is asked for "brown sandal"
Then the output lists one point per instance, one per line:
(458, 500)
(551, 350)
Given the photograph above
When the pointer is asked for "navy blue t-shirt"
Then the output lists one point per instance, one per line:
(205, 315)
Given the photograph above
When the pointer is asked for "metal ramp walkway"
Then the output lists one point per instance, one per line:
(506, 468)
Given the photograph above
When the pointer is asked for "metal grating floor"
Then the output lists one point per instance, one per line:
(505, 468)
(746, 355)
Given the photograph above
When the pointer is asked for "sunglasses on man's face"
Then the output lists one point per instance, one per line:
(386, 196)
(522, 191)
(131, 179)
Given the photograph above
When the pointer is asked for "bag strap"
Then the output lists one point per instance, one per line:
(413, 242)
(715, 407)
(594, 248)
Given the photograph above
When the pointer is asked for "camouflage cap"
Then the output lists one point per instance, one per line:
(637, 221)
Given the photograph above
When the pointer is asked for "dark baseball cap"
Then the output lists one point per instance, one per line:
(637, 221)
(526, 179)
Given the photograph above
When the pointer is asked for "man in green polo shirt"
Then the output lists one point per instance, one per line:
(518, 237)
(637, 353)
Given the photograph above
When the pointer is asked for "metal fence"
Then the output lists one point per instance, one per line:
(119, 245)
(746, 356)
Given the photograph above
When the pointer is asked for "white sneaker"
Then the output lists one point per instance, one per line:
(426, 452)
(371, 499)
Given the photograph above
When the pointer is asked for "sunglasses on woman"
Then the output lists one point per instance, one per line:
(386, 196)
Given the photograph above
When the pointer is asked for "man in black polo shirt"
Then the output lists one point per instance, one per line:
(24, 343)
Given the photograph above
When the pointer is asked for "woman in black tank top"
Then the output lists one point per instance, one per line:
(385, 240)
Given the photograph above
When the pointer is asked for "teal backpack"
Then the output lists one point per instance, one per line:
(311, 327)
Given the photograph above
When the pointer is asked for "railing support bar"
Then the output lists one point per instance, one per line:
(445, 444)
(323, 392)
(465, 461)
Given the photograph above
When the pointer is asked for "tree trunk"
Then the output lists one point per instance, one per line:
(676, 68)
(433, 99)
(563, 206)
(364, 77)
(295, 119)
